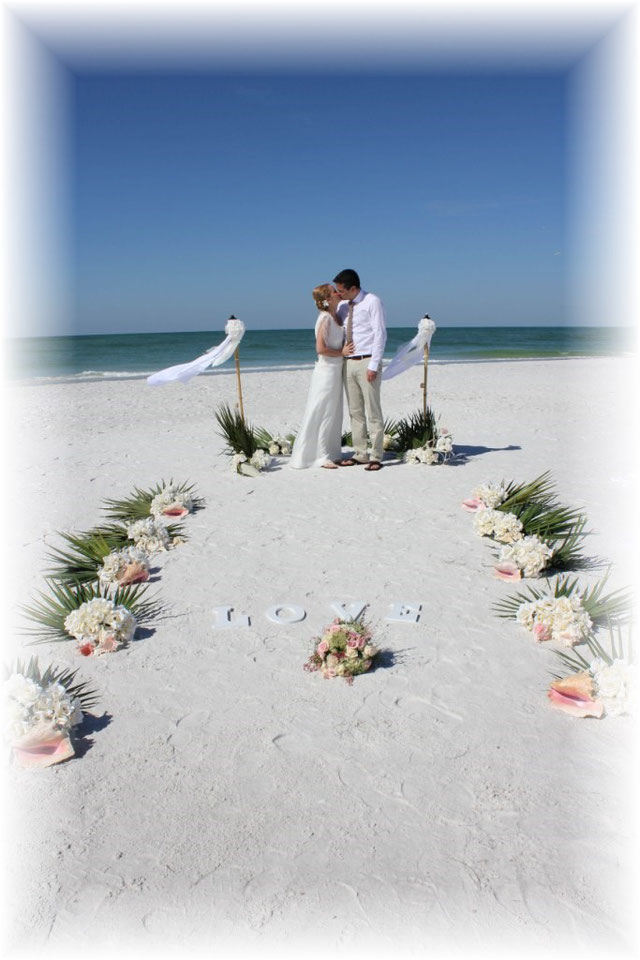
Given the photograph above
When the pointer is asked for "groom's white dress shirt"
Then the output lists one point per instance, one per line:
(369, 330)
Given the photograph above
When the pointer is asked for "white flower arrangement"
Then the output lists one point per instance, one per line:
(530, 555)
(150, 535)
(389, 442)
(279, 446)
(171, 502)
(29, 706)
(100, 626)
(490, 494)
(124, 567)
(504, 527)
(562, 619)
(259, 461)
(615, 684)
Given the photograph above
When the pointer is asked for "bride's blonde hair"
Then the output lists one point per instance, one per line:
(321, 294)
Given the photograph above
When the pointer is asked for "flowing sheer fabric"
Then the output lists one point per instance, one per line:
(319, 437)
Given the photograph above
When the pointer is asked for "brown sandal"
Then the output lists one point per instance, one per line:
(374, 465)
(348, 463)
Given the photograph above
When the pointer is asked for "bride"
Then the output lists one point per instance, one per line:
(318, 442)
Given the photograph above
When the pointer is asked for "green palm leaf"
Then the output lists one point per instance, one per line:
(548, 522)
(264, 437)
(415, 431)
(82, 562)
(616, 646)
(239, 435)
(138, 505)
(540, 491)
(50, 610)
(86, 694)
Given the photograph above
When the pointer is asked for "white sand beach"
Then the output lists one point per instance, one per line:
(228, 803)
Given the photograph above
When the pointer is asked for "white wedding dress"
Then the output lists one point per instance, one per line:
(320, 435)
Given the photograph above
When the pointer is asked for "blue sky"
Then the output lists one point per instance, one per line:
(196, 196)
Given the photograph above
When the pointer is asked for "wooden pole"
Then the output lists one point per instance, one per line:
(424, 382)
(237, 355)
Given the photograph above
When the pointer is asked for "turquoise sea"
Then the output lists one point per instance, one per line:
(121, 356)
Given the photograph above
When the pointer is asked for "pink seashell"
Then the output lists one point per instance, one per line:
(507, 571)
(574, 695)
(86, 649)
(175, 510)
(541, 631)
(43, 753)
(109, 644)
(134, 573)
(472, 505)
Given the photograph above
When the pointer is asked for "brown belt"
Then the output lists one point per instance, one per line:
(361, 356)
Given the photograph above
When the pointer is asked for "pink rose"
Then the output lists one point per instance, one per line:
(323, 646)
(334, 628)
(362, 641)
(351, 642)
(542, 631)
(507, 571)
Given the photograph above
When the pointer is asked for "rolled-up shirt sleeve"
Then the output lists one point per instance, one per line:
(378, 325)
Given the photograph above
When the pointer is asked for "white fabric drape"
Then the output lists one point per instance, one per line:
(413, 352)
(213, 358)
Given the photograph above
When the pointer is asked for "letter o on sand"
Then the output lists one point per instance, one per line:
(285, 613)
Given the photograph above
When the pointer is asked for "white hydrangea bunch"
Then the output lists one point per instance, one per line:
(424, 454)
(444, 444)
(279, 446)
(28, 705)
(530, 554)
(100, 626)
(562, 619)
(502, 526)
(260, 460)
(171, 496)
(116, 563)
(615, 685)
(490, 494)
(389, 442)
(149, 535)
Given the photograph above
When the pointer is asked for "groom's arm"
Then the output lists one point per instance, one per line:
(378, 323)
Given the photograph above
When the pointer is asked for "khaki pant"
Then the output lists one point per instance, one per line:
(364, 407)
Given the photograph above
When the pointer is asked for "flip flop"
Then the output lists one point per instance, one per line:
(374, 465)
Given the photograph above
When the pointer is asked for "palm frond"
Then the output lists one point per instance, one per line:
(567, 550)
(86, 694)
(50, 610)
(239, 435)
(137, 506)
(82, 562)
(416, 430)
(617, 645)
(548, 521)
(539, 490)
(264, 437)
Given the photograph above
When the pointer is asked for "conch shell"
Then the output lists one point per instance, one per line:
(574, 695)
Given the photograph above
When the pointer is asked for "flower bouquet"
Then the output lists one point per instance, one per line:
(506, 496)
(600, 685)
(563, 612)
(41, 709)
(248, 456)
(417, 437)
(100, 620)
(344, 650)
(275, 444)
(153, 535)
(162, 500)
(92, 556)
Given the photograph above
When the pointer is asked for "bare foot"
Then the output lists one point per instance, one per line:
(348, 463)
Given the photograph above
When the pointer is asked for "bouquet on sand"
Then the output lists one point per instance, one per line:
(248, 454)
(345, 649)
(41, 710)
(536, 531)
(603, 682)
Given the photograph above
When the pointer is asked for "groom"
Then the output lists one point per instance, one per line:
(362, 314)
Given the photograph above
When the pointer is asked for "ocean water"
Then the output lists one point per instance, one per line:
(121, 356)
